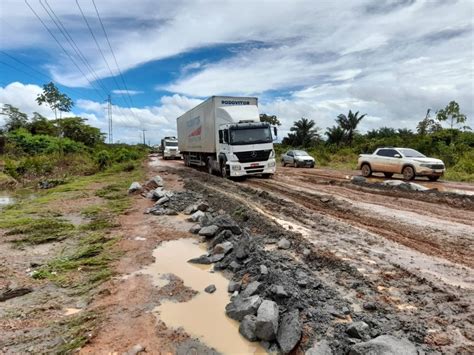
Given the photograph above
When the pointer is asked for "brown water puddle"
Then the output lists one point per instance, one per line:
(203, 316)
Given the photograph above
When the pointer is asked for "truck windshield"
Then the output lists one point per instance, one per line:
(171, 144)
(250, 136)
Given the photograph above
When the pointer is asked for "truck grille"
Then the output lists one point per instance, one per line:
(255, 155)
(437, 166)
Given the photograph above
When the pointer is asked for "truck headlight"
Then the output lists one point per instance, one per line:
(271, 164)
(272, 154)
(236, 167)
(233, 157)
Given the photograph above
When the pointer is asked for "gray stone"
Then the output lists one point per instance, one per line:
(358, 330)
(384, 345)
(370, 306)
(190, 209)
(251, 289)
(162, 200)
(170, 212)
(136, 349)
(158, 193)
(234, 266)
(202, 206)
(263, 270)
(233, 286)
(195, 229)
(210, 289)
(197, 216)
(154, 182)
(242, 306)
(203, 259)
(325, 199)
(358, 180)
(247, 327)
(267, 320)
(279, 291)
(220, 237)
(241, 251)
(289, 332)
(134, 187)
(222, 248)
(216, 257)
(284, 243)
(226, 222)
(208, 231)
(306, 252)
(320, 348)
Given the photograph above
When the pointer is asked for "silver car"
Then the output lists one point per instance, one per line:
(298, 159)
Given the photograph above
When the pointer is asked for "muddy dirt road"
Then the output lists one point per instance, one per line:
(414, 251)
(401, 262)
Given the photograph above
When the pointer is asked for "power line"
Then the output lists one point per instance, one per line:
(60, 45)
(112, 51)
(43, 75)
(100, 49)
(71, 42)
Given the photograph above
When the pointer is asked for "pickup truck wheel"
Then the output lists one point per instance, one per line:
(408, 173)
(388, 175)
(366, 170)
(433, 178)
(283, 163)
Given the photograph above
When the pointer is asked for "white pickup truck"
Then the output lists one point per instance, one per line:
(406, 161)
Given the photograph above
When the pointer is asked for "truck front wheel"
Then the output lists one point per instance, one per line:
(224, 171)
(366, 170)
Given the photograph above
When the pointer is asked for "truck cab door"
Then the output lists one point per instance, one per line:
(224, 141)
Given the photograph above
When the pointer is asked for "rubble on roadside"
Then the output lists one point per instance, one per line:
(273, 296)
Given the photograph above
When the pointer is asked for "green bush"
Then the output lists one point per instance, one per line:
(103, 159)
(23, 142)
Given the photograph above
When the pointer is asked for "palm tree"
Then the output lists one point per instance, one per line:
(349, 124)
(336, 135)
(305, 132)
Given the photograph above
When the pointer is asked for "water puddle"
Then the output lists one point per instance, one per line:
(6, 200)
(203, 316)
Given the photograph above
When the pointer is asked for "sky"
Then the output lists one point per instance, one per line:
(389, 59)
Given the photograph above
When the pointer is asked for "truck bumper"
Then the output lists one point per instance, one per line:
(172, 155)
(257, 168)
(422, 171)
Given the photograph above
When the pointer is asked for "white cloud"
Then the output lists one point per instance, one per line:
(24, 97)
(129, 92)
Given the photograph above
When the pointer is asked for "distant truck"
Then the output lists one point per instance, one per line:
(405, 161)
(225, 134)
(169, 148)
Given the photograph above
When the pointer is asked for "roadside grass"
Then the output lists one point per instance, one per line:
(76, 330)
(41, 230)
(453, 175)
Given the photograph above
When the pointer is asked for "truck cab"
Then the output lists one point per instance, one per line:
(244, 149)
(169, 148)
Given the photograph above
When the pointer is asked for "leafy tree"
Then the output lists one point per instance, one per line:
(349, 124)
(304, 133)
(56, 100)
(15, 118)
(41, 125)
(452, 114)
(336, 135)
(75, 129)
(273, 120)
(427, 125)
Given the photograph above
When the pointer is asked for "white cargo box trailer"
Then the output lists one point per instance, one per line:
(225, 134)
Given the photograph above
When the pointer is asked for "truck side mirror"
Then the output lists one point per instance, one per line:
(226, 136)
(275, 131)
(221, 138)
(397, 156)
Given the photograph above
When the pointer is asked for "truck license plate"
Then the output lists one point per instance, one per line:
(253, 164)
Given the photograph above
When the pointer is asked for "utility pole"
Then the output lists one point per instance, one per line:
(109, 115)
(144, 141)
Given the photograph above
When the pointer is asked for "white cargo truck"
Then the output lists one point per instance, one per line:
(169, 148)
(225, 134)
